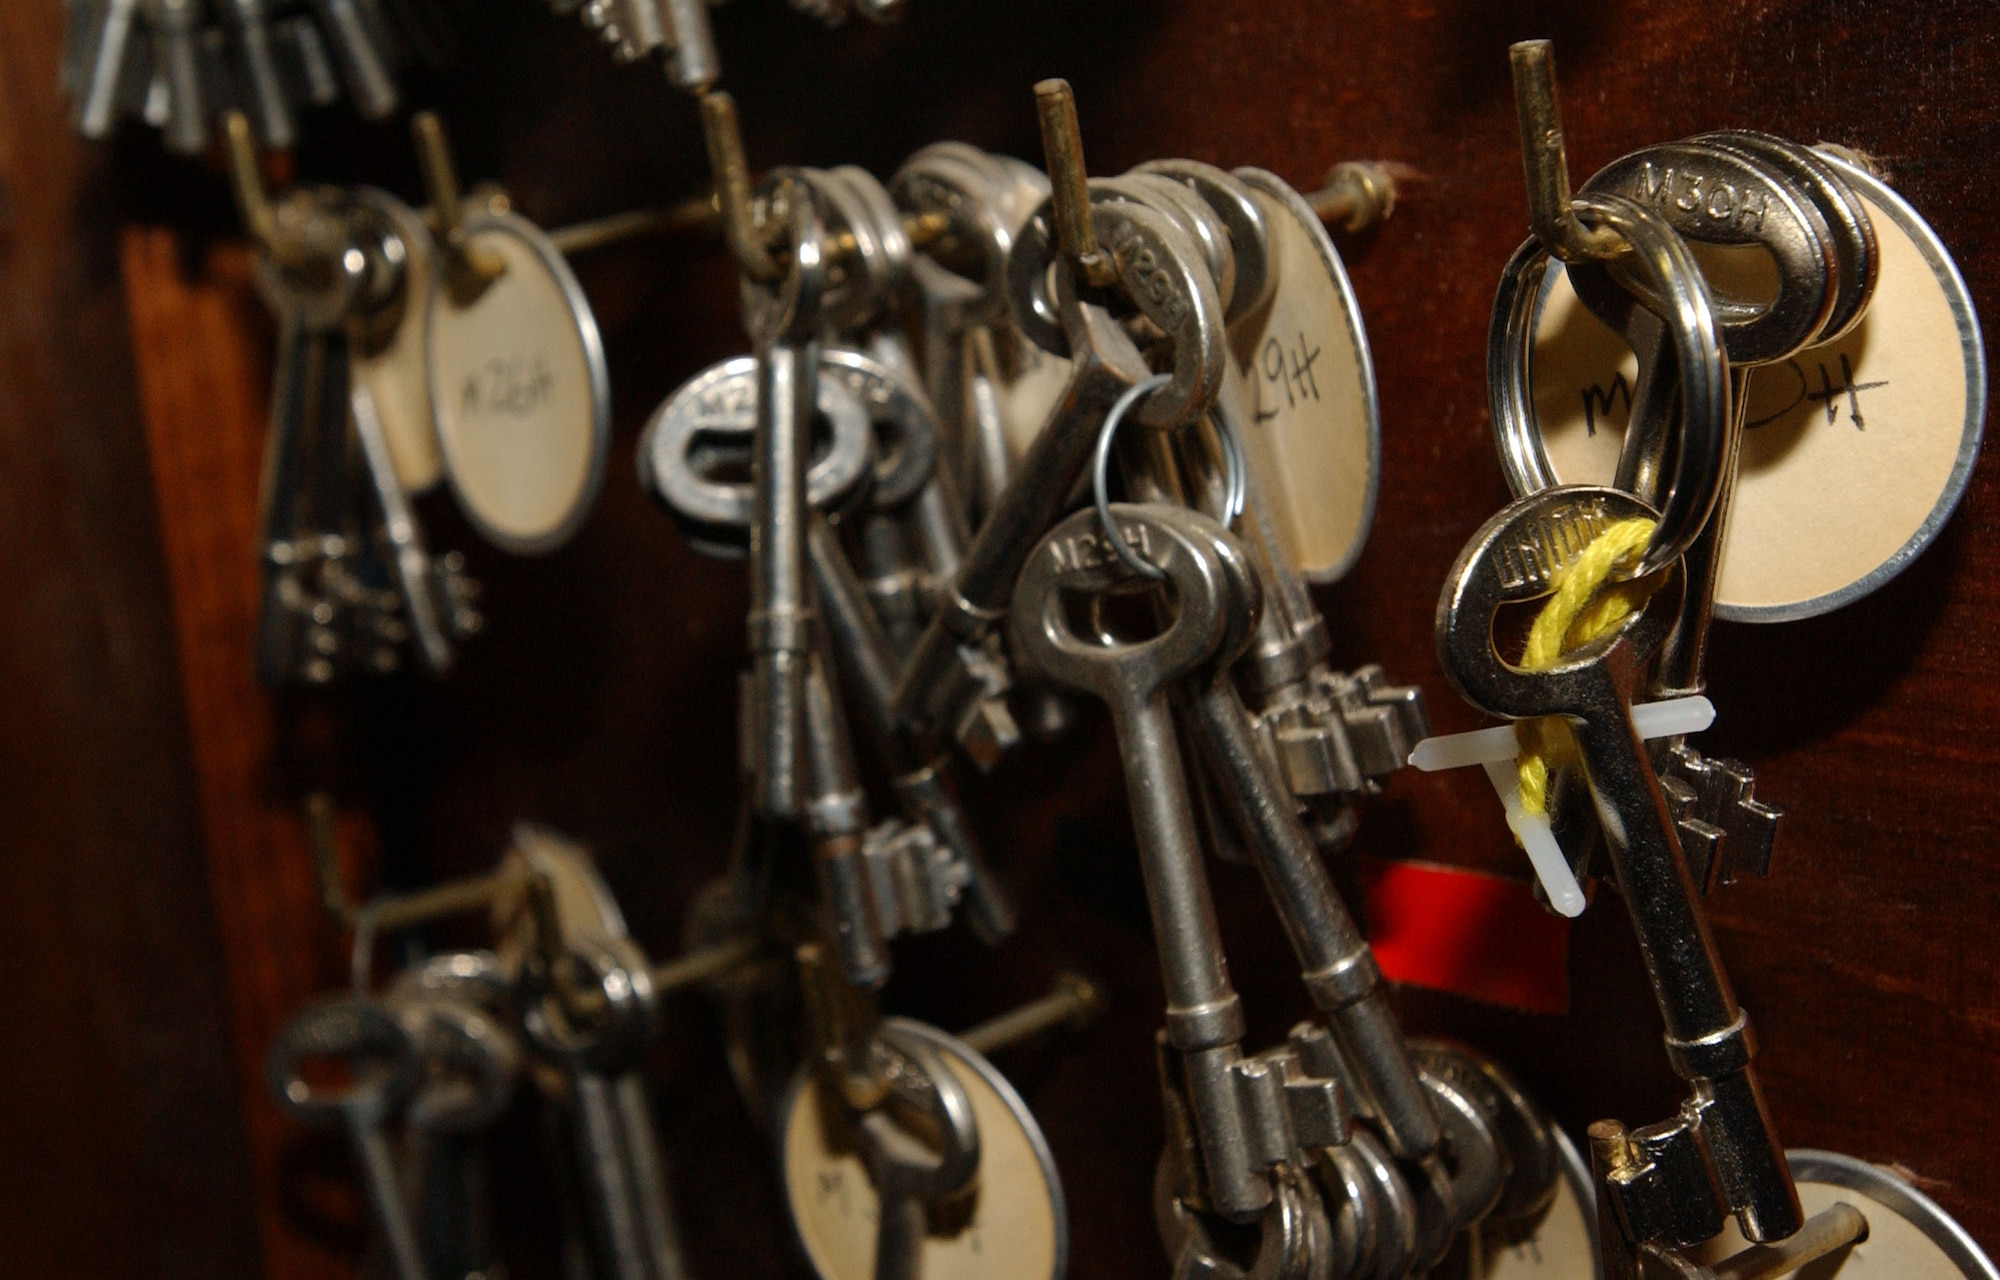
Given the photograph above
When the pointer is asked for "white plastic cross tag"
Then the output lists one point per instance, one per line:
(1497, 749)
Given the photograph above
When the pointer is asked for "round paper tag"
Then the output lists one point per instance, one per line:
(520, 390)
(1027, 392)
(1909, 1236)
(1854, 453)
(1017, 1228)
(397, 375)
(1312, 429)
(1560, 1242)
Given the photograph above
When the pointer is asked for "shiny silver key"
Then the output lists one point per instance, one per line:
(1512, 559)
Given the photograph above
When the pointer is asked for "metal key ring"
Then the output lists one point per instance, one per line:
(1234, 485)
(1663, 263)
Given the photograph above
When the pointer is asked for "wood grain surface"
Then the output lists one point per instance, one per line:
(598, 700)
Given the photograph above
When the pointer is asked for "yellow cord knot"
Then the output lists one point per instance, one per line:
(1585, 606)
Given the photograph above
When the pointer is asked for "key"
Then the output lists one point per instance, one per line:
(176, 60)
(598, 1050)
(1256, 277)
(919, 768)
(303, 488)
(1785, 203)
(357, 46)
(911, 1172)
(836, 812)
(782, 320)
(1161, 278)
(1339, 970)
(257, 70)
(106, 53)
(707, 426)
(470, 1063)
(305, 64)
(1511, 559)
(1204, 1016)
(959, 278)
(383, 1062)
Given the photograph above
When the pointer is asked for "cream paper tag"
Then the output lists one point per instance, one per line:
(1015, 1230)
(1560, 1243)
(1854, 452)
(397, 375)
(1896, 1248)
(520, 391)
(1309, 421)
(1027, 393)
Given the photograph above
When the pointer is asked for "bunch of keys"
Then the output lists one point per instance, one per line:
(405, 359)
(1344, 1153)
(348, 582)
(181, 65)
(1667, 825)
(644, 29)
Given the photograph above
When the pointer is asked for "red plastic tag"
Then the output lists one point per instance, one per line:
(1475, 935)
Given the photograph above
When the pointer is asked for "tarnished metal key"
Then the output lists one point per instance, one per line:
(383, 1063)
(1161, 276)
(1204, 1017)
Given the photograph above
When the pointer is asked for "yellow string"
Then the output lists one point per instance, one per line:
(1585, 606)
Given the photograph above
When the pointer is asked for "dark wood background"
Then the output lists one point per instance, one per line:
(160, 915)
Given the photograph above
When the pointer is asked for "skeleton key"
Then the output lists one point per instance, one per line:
(470, 1063)
(105, 72)
(383, 1063)
(176, 62)
(593, 1014)
(1726, 1124)
(1159, 274)
(1789, 206)
(920, 770)
(1340, 972)
(1204, 1016)
(911, 1173)
(953, 183)
(836, 812)
(708, 425)
(599, 1053)
(357, 46)
(257, 68)
(303, 497)
(782, 319)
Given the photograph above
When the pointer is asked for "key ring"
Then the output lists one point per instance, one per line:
(1662, 262)
(1234, 485)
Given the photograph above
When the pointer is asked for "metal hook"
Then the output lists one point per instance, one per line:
(1069, 183)
(732, 187)
(1546, 163)
(469, 268)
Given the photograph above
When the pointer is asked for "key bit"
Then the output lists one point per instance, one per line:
(1385, 722)
(1726, 831)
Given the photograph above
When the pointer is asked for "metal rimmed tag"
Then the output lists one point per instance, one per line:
(1856, 452)
(1909, 1236)
(1313, 432)
(520, 391)
(1559, 1241)
(1016, 1227)
(396, 373)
